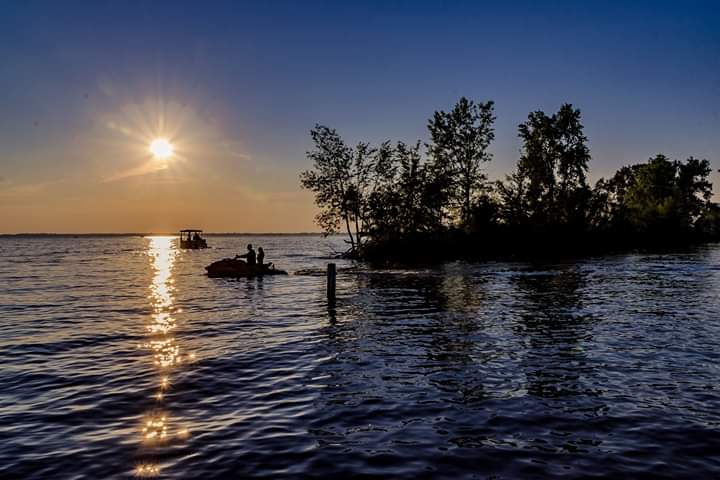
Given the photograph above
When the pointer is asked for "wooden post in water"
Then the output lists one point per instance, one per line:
(331, 282)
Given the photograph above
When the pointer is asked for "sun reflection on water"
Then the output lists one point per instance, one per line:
(162, 342)
(157, 428)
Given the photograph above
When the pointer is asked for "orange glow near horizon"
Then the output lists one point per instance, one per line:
(147, 165)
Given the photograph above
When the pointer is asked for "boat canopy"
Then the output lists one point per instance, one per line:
(191, 230)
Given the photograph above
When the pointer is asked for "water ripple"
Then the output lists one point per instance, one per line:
(121, 359)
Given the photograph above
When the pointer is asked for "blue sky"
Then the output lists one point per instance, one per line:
(249, 79)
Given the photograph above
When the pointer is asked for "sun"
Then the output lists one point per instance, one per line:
(161, 148)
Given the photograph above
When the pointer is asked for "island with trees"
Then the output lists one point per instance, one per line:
(406, 202)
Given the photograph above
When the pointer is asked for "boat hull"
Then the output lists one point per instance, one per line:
(193, 244)
(232, 268)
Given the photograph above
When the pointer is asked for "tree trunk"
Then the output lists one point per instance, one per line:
(467, 208)
(349, 232)
(357, 229)
(468, 191)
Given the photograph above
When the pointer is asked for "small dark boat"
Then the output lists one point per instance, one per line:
(234, 268)
(190, 238)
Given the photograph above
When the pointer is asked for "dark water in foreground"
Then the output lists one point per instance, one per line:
(118, 358)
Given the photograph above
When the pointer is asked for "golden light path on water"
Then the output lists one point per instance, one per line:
(157, 428)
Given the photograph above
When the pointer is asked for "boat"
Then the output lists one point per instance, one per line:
(234, 268)
(190, 238)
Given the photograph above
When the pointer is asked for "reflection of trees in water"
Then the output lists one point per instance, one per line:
(407, 331)
(437, 314)
(555, 328)
(449, 343)
(453, 355)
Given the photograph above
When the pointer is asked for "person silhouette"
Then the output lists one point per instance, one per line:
(250, 255)
(260, 256)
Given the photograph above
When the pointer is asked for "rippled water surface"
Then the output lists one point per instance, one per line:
(119, 358)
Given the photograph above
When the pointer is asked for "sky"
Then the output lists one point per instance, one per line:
(237, 86)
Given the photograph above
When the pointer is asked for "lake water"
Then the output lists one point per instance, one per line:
(120, 358)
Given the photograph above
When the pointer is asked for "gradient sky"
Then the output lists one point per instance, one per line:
(237, 86)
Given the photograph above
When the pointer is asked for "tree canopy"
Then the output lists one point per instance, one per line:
(396, 193)
(460, 141)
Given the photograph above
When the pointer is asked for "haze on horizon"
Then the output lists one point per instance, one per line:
(236, 87)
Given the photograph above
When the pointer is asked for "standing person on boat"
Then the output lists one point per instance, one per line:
(250, 255)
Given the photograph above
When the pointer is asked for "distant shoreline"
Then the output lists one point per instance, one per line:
(215, 234)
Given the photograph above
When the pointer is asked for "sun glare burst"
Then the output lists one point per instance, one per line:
(161, 148)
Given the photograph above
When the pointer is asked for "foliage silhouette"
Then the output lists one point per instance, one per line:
(460, 141)
(396, 202)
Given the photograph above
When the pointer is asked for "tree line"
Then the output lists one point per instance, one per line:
(403, 200)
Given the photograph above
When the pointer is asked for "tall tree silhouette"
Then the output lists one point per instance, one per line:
(460, 140)
(553, 167)
(340, 178)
